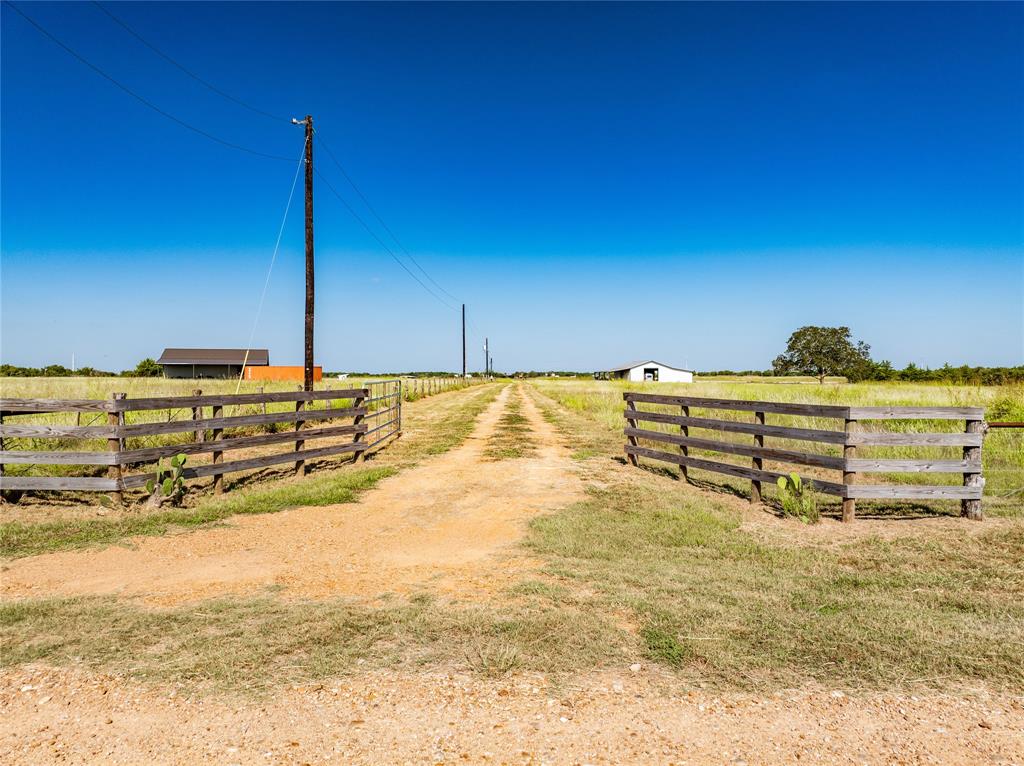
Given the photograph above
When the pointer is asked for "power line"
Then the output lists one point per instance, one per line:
(146, 102)
(379, 219)
(136, 96)
(382, 243)
(184, 69)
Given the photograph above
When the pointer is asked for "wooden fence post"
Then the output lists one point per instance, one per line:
(757, 463)
(971, 509)
(260, 391)
(3, 497)
(684, 472)
(359, 456)
(197, 414)
(849, 453)
(115, 419)
(300, 465)
(398, 426)
(218, 455)
(630, 407)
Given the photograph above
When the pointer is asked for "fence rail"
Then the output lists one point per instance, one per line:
(849, 439)
(374, 409)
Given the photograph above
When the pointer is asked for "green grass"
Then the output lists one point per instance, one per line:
(643, 567)
(511, 437)
(1003, 453)
(435, 430)
(719, 604)
(20, 539)
(737, 608)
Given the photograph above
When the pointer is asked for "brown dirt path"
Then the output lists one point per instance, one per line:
(449, 522)
(642, 717)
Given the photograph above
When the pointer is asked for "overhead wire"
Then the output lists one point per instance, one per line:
(381, 242)
(185, 69)
(273, 258)
(141, 99)
(316, 134)
(229, 97)
(206, 134)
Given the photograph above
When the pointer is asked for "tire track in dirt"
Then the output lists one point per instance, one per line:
(448, 524)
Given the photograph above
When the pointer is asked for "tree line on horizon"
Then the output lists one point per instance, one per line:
(821, 352)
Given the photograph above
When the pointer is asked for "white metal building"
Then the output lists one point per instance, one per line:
(638, 372)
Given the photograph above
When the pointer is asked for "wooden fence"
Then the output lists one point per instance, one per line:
(847, 440)
(374, 411)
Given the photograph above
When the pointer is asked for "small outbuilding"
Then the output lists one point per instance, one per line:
(650, 371)
(210, 362)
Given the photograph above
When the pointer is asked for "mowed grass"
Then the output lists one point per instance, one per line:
(772, 605)
(511, 437)
(721, 605)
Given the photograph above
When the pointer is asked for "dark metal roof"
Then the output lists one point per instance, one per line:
(258, 357)
(642, 362)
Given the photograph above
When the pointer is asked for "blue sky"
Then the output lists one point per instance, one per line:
(598, 182)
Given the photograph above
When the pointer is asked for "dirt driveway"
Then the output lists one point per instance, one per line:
(450, 521)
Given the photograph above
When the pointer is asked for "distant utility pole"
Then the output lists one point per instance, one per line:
(308, 366)
(463, 340)
(487, 359)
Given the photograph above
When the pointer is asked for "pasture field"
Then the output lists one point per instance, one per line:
(102, 387)
(504, 544)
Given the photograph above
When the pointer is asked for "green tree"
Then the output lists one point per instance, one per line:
(148, 368)
(824, 351)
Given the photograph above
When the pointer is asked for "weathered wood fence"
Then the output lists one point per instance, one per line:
(849, 488)
(374, 411)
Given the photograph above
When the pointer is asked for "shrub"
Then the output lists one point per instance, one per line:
(797, 500)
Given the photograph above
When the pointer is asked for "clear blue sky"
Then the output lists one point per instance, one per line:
(598, 182)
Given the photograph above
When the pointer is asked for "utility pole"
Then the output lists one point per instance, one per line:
(487, 359)
(308, 366)
(463, 340)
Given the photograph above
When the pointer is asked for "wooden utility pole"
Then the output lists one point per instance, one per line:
(487, 358)
(308, 377)
(463, 340)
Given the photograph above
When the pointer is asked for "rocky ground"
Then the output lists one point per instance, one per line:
(639, 716)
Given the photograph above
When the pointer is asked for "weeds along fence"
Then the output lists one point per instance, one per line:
(909, 450)
(45, 446)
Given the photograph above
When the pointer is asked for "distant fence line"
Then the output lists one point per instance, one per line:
(852, 467)
(417, 388)
(374, 409)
